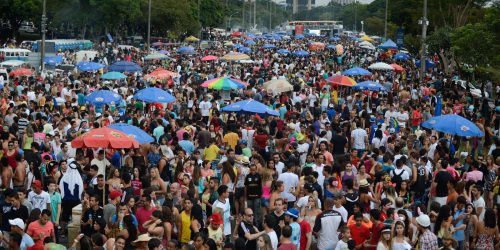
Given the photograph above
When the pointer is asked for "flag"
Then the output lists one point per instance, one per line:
(439, 106)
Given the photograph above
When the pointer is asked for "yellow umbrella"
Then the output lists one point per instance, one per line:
(235, 56)
(366, 38)
(191, 39)
(278, 86)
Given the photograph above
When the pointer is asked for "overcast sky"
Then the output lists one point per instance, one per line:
(325, 2)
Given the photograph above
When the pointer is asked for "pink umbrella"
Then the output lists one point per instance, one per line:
(209, 58)
(397, 67)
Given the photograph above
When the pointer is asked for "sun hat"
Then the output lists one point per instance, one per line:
(424, 220)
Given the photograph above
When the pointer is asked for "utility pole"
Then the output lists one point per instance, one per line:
(385, 24)
(254, 12)
(355, 15)
(149, 25)
(44, 31)
(270, 15)
(425, 22)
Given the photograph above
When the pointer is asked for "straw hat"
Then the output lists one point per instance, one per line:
(142, 238)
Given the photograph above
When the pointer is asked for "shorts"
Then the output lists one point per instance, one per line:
(239, 192)
(264, 202)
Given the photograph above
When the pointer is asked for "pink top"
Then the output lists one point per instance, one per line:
(474, 176)
(266, 192)
(35, 229)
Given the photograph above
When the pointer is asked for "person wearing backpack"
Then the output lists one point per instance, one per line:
(399, 175)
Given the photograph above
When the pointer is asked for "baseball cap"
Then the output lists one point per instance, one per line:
(216, 219)
(114, 194)
(17, 222)
(37, 183)
(292, 212)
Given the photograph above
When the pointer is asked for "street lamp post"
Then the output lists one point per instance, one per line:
(44, 31)
(229, 21)
(149, 25)
(385, 24)
(362, 26)
(424, 22)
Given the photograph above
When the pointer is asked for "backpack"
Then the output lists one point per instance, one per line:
(396, 178)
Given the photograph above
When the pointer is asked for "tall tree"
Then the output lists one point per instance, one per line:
(17, 11)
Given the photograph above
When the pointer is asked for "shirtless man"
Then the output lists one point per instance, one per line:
(7, 173)
(20, 173)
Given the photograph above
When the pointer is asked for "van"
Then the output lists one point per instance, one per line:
(14, 54)
(4, 74)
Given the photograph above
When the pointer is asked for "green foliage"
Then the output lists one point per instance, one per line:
(17, 11)
(472, 44)
(212, 13)
(439, 40)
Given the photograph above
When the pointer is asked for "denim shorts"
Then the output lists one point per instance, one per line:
(264, 202)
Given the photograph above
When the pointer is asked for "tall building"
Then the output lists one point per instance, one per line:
(343, 2)
(301, 5)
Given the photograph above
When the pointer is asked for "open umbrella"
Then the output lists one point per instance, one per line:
(366, 38)
(89, 66)
(187, 50)
(53, 60)
(156, 56)
(380, 66)
(165, 52)
(453, 124)
(133, 131)
(401, 56)
(397, 68)
(154, 95)
(299, 36)
(157, 44)
(224, 83)
(357, 71)
(300, 53)
(103, 97)
(283, 52)
(278, 86)
(244, 50)
(366, 45)
(389, 44)
(238, 45)
(160, 74)
(104, 138)
(209, 58)
(235, 56)
(112, 75)
(250, 107)
(124, 66)
(334, 38)
(249, 42)
(369, 85)
(191, 39)
(268, 46)
(21, 72)
(236, 34)
(341, 80)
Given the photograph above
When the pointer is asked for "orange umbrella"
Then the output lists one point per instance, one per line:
(160, 74)
(104, 138)
(341, 80)
(21, 72)
(397, 67)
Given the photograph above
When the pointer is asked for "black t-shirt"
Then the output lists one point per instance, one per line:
(442, 179)
(253, 184)
(277, 227)
(244, 228)
(339, 142)
(94, 215)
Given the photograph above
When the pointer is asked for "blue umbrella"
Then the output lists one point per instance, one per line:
(283, 51)
(389, 44)
(401, 56)
(112, 75)
(331, 46)
(188, 50)
(334, 38)
(453, 124)
(249, 42)
(154, 95)
(89, 66)
(124, 66)
(103, 97)
(301, 53)
(53, 60)
(299, 36)
(369, 85)
(428, 64)
(134, 132)
(357, 71)
(268, 46)
(439, 106)
(238, 45)
(250, 107)
(244, 49)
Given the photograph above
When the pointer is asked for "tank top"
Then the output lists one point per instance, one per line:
(266, 192)
(347, 177)
(28, 142)
(186, 227)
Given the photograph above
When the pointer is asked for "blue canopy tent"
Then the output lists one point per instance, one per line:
(454, 125)
(389, 44)
(124, 66)
(369, 85)
(153, 94)
(357, 71)
(301, 53)
(103, 97)
(401, 56)
(250, 107)
(134, 132)
(89, 66)
(428, 64)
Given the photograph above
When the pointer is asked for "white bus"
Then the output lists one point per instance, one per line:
(14, 54)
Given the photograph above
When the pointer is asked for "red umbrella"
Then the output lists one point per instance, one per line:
(341, 80)
(104, 138)
(21, 72)
(160, 74)
(209, 58)
(397, 67)
(236, 33)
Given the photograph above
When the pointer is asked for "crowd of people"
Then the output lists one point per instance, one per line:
(337, 169)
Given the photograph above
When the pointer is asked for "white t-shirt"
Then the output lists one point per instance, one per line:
(39, 201)
(291, 182)
(359, 138)
(227, 214)
(205, 108)
(274, 239)
(405, 176)
(302, 202)
(343, 212)
(480, 203)
(279, 167)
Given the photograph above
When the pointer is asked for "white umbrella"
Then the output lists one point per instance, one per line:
(381, 66)
(278, 86)
(367, 45)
